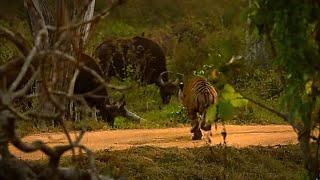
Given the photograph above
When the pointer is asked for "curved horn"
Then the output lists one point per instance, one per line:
(234, 58)
(118, 88)
(132, 115)
(180, 77)
(108, 106)
(162, 83)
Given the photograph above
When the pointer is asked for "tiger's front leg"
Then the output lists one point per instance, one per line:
(195, 122)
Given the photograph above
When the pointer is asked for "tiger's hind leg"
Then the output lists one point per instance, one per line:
(206, 128)
(194, 121)
(197, 134)
(204, 125)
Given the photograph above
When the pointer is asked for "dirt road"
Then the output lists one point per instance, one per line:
(238, 136)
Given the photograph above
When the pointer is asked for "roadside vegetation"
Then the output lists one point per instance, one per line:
(196, 40)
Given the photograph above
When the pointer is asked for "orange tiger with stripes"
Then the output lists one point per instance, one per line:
(196, 97)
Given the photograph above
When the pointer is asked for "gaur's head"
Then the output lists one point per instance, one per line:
(167, 88)
(119, 108)
(166, 91)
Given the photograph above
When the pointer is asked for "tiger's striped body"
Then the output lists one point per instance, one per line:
(196, 97)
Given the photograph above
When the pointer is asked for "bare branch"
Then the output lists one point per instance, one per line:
(32, 147)
(47, 91)
(86, 7)
(75, 26)
(54, 153)
(91, 71)
(78, 98)
(42, 115)
(89, 10)
(28, 61)
(36, 19)
(73, 82)
(283, 116)
(58, 93)
(16, 39)
(96, 18)
(17, 113)
(66, 132)
(93, 91)
(63, 40)
(27, 86)
(24, 69)
(279, 114)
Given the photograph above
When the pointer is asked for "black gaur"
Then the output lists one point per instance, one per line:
(139, 58)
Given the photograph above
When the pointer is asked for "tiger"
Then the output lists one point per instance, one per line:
(196, 96)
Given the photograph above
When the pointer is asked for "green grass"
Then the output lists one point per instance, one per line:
(215, 30)
(283, 162)
(146, 102)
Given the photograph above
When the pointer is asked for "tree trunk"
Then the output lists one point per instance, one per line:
(88, 15)
(310, 160)
(255, 46)
(59, 15)
(40, 14)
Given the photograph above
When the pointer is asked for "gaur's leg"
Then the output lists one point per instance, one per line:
(105, 113)
(106, 116)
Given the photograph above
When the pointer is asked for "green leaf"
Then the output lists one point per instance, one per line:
(229, 96)
(235, 98)
(308, 87)
(228, 88)
(239, 102)
(211, 114)
(225, 109)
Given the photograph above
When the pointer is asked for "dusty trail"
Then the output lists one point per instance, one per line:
(238, 136)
